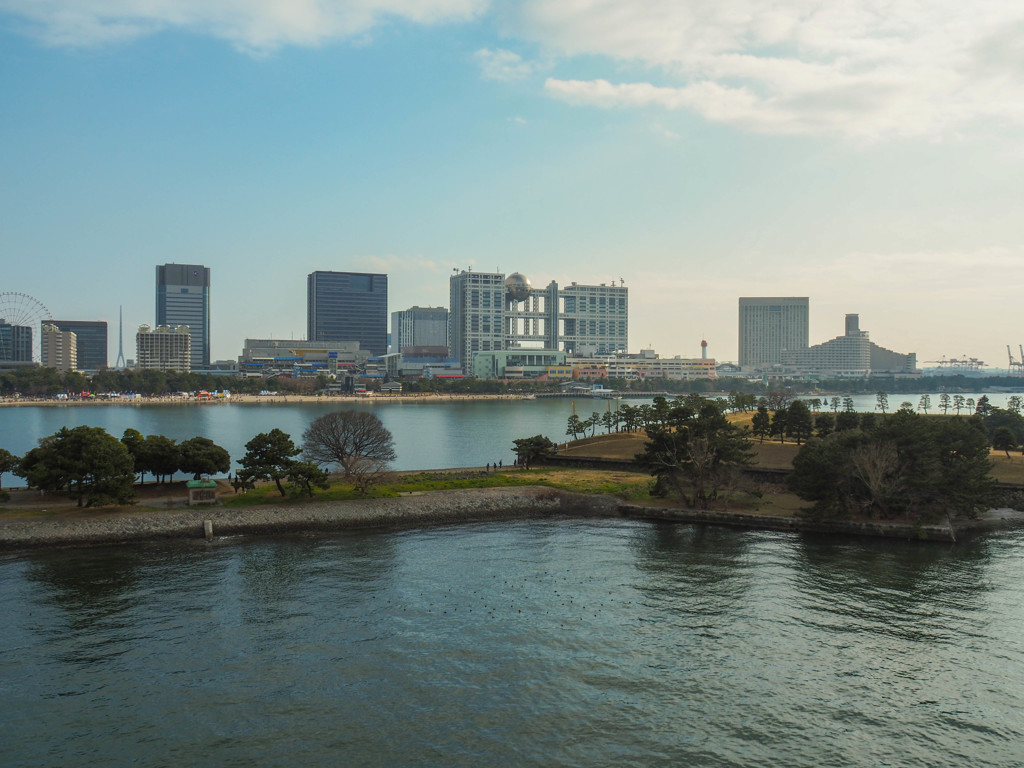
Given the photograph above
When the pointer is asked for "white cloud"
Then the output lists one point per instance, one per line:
(257, 25)
(502, 65)
(871, 69)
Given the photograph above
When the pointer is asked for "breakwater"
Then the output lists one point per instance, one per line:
(439, 508)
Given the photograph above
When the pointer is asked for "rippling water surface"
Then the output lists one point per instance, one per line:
(533, 643)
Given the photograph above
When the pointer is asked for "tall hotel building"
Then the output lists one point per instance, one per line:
(491, 312)
(183, 298)
(348, 306)
(770, 326)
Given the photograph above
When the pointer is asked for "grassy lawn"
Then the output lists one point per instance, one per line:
(624, 446)
(624, 484)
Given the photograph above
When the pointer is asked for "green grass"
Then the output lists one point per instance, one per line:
(623, 484)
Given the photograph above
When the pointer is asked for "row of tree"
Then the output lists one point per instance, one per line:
(858, 464)
(94, 467)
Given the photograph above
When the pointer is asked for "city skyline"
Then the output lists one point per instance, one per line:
(865, 158)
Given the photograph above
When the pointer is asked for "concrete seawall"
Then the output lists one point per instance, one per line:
(437, 508)
(433, 508)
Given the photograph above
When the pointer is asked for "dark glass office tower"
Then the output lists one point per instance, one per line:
(348, 306)
(15, 343)
(183, 298)
(92, 341)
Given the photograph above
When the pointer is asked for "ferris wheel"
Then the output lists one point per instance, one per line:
(24, 311)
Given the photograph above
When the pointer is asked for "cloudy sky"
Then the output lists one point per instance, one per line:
(868, 154)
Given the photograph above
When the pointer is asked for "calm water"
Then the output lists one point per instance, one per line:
(427, 435)
(528, 644)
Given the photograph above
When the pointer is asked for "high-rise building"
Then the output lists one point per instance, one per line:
(91, 338)
(58, 349)
(15, 343)
(419, 328)
(769, 326)
(490, 312)
(477, 313)
(348, 306)
(164, 348)
(183, 298)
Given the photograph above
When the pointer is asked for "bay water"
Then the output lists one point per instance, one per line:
(558, 642)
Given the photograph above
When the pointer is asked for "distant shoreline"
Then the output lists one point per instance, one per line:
(426, 397)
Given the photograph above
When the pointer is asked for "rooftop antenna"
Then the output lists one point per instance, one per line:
(119, 365)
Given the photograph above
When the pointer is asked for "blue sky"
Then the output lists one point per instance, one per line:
(867, 155)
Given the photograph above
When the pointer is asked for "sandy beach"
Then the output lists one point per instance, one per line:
(425, 397)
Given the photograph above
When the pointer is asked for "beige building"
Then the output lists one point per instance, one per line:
(852, 355)
(163, 348)
(58, 349)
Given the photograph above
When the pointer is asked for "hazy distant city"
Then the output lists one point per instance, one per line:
(496, 326)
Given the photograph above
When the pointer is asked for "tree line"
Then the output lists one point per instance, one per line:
(94, 467)
(880, 465)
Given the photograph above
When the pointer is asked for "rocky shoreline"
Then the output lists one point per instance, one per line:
(436, 508)
(421, 509)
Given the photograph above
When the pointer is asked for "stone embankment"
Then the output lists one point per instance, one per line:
(431, 508)
(950, 530)
(437, 508)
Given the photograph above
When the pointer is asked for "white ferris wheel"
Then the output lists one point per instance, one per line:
(19, 310)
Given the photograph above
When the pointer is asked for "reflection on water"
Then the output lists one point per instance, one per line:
(533, 643)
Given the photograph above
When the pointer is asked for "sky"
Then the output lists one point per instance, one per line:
(867, 154)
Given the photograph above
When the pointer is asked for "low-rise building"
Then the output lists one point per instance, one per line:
(299, 358)
(518, 363)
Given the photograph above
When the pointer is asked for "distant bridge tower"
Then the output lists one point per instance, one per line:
(119, 365)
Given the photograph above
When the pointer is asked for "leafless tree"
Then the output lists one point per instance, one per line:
(356, 441)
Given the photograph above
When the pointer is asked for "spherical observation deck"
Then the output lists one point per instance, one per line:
(517, 287)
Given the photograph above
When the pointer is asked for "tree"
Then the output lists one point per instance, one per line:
(846, 420)
(958, 403)
(984, 407)
(944, 403)
(304, 476)
(93, 466)
(799, 422)
(8, 462)
(133, 440)
(1003, 440)
(1014, 403)
(824, 424)
(201, 456)
(905, 466)
(969, 403)
(269, 456)
(162, 456)
(924, 403)
(698, 453)
(575, 427)
(881, 401)
(779, 424)
(356, 441)
(531, 449)
(761, 424)
(848, 404)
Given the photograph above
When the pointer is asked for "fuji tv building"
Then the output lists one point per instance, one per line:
(499, 322)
